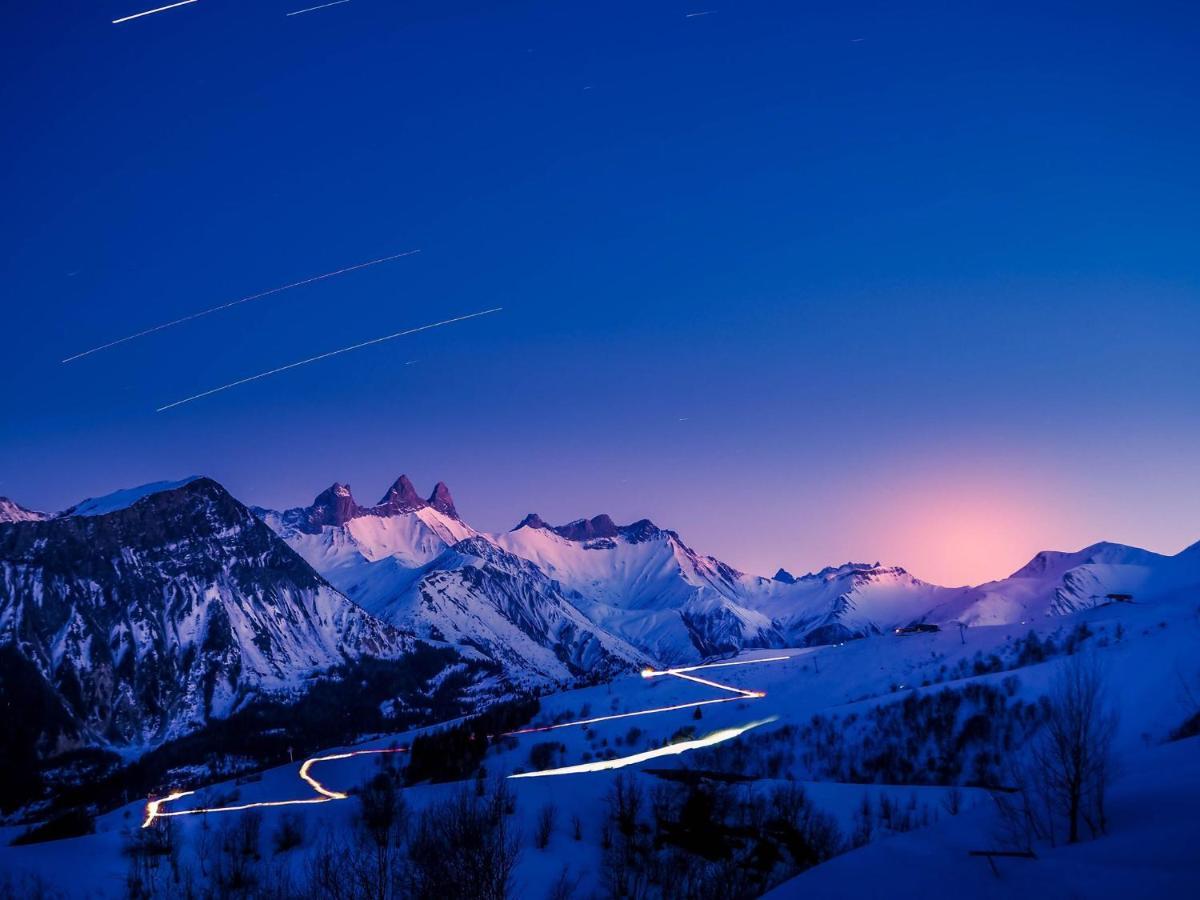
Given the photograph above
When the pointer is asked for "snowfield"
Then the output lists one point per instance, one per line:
(1146, 650)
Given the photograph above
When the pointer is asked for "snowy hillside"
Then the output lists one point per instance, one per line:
(771, 721)
(152, 611)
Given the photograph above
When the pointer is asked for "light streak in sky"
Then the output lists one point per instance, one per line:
(320, 356)
(151, 12)
(325, 795)
(315, 8)
(703, 12)
(213, 309)
(620, 762)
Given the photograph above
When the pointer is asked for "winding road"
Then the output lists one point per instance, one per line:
(155, 811)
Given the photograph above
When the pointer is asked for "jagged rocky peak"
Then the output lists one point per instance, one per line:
(600, 526)
(596, 528)
(11, 511)
(401, 496)
(783, 575)
(533, 520)
(829, 573)
(333, 506)
(441, 500)
(336, 506)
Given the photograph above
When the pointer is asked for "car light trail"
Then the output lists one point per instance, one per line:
(716, 737)
(651, 673)
(154, 810)
(152, 806)
(678, 673)
(628, 715)
(325, 795)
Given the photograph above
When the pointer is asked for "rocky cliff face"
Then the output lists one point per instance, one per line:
(145, 618)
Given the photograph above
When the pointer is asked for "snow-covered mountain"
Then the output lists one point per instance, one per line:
(414, 563)
(149, 611)
(644, 587)
(645, 584)
(11, 511)
(372, 554)
(477, 595)
(1058, 583)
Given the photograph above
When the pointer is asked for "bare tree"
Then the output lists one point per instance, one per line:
(464, 849)
(238, 855)
(383, 819)
(338, 870)
(1189, 699)
(626, 840)
(289, 834)
(153, 859)
(1073, 752)
(564, 886)
(952, 801)
(545, 825)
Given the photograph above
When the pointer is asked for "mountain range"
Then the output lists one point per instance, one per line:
(141, 615)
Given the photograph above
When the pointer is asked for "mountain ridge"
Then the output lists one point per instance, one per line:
(148, 619)
(224, 600)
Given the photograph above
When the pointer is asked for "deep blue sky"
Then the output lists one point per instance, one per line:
(806, 282)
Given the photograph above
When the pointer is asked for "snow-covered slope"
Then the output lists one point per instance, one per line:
(643, 583)
(1056, 583)
(416, 564)
(644, 586)
(845, 601)
(479, 596)
(124, 498)
(149, 614)
(11, 511)
(371, 553)
(1148, 851)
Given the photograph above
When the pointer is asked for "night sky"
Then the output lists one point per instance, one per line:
(805, 282)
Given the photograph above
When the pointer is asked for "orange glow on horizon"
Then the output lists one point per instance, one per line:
(954, 528)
